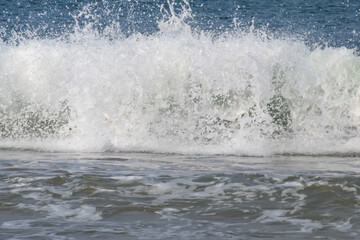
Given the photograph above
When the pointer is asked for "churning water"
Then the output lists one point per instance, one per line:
(177, 79)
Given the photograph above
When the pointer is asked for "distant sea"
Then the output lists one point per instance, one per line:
(179, 119)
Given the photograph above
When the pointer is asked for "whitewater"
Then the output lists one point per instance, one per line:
(179, 119)
(180, 90)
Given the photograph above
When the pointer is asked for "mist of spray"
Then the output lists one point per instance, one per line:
(177, 90)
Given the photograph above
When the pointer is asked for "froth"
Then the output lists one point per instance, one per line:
(178, 90)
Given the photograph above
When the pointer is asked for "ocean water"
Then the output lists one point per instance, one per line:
(179, 119)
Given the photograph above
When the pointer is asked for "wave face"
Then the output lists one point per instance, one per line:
(178, 90)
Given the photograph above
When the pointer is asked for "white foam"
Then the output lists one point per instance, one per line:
(178, 90)
(84, 212)
(16, 224)
(306, 225)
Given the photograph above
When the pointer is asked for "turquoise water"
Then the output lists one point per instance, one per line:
(179, 119)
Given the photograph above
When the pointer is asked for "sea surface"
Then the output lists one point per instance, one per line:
(179, 119)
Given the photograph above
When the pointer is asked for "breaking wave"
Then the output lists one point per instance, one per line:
(178, 90)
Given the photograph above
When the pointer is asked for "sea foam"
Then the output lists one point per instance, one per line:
(178, 90)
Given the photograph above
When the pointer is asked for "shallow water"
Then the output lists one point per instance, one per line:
(213, 119)
(162, 196)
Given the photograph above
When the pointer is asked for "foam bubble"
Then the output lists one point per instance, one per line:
(178, 90)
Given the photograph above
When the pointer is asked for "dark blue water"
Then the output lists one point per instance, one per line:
(332, 23)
